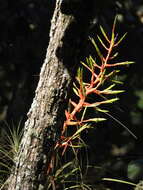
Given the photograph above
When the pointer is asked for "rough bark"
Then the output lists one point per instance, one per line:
(46, 115)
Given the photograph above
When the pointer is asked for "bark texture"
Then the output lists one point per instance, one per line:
(45, 117)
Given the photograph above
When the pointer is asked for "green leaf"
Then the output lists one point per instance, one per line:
(97, 49)
(70, 173)
(101, 110)
(110, 101)
(113, 73)
(124, 63)
(59, 171)
(112, 91)
(73, 187)
(115, 91)
(82, 128)
(80, 73)
(100, 40)
(95, 120)
(117, 82)
(119, 181)
(89, 68)
(115, 55)
(114, 24)
(110, 87)
(92, 62)
(82, 87)
(104, 33)
(120, 40)
(75, 91)
(113, 32)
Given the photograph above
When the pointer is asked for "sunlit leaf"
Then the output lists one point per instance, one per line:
(117, 82)
(114, 24)
(125, 63)
(82, 88)
(76, 91)
(113, 56)
(110, 87)
(112, 91)
(82, 128)
(101, 110)
(80, 73)
(103, 102)
(97, 49)
(120, 64)
(96, 120)
(120, 40)
(89, 68)
(102, 42)
(104, 34)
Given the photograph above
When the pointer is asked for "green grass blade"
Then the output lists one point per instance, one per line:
(119, 181)
(59, 171)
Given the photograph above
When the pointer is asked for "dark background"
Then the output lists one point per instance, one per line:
(24, 36)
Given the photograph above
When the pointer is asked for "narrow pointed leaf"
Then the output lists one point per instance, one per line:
(113, 91)
(82, 128)
(97, 49)
(114, 24)
(95, 120)
(100, 40)
(75, 91)
(104, 34)
(112, 74)
(120, 181)
(89, 68)
(93, 62)
(59, 171)
(82, 88)
(110, 101)
(120, 64)
(80, 73)
(125, 63)
(101, 110)
(120, 40)
(110, 87)
(103, 102)
(117, 82)
(70, 173)
(113, 31)
(115, 55)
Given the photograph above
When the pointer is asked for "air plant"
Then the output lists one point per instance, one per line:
(93, 93)
(100, 85)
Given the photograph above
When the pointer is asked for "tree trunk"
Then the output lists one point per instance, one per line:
(69, 28)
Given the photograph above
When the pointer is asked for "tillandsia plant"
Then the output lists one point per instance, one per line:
(92, 94)
(100, 85)
(8, 150)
